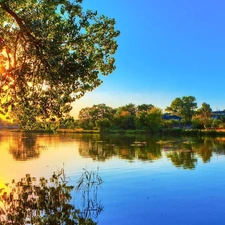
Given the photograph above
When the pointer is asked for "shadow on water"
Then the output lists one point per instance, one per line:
(50, 201)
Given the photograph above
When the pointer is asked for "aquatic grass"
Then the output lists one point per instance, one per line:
(88, 185)
(48, 201)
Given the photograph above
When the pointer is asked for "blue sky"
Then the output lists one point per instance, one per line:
(167, 49)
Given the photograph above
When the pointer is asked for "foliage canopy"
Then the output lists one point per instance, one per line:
(51, 53)
(183, 107)
(90, 116)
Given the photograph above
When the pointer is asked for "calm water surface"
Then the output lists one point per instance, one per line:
(146, 180)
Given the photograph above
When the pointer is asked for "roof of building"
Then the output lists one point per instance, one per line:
(171, 117)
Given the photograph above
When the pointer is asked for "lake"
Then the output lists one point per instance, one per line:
(147, 180)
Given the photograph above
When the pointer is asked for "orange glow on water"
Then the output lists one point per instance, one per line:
(38, 155)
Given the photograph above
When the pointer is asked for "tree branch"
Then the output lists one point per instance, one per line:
(25, 32)
(14, 15)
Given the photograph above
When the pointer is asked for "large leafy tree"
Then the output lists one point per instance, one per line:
(89, 116)
(149, 120)
(183, 107)
(124, 117)
(51, 53)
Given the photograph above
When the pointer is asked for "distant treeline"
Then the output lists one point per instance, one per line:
(181, 114)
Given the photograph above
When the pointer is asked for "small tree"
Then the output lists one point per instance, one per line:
(197, 123)
(124, 119)
(103, 124)
(141, 120)
(216, 123)
(154, 119)
(203, 116)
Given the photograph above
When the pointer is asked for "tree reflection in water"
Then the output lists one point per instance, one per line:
(182, 151)
(25, 147)
(186, 153)
(49, 201)
(182, 158)
(107, 146)
(205, 149)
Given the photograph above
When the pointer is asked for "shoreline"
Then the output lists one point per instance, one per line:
(163, 132)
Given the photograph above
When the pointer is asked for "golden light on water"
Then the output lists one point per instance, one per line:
(2, 185)
(38, 155)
